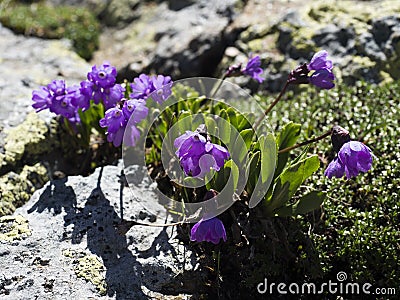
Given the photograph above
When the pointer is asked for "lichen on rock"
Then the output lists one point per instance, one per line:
(16, 189)
(13, 228)
(89, 267)
(30, 138)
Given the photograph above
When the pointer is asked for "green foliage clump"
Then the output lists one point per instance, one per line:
(54, 22)
(359, 230)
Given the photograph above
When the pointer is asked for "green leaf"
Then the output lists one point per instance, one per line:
(224, 130)
(289, 135)
(286, 138)
(184, 121)
(247, 136)
(244, 122)
(267, 168)
(290, 180)
(233, 178)
(195, 105)
(232, 116)
(305, 204)
(253, 171)
(268, 157)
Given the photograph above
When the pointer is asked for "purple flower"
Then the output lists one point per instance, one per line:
(116, 137)
(135, 108)
(57, 99)
(161, 88)
(78, 97)
(319, 61)
(116, 120)
(132, 135)
(62, 106)
(109, 96)
(253, 69)
(42, 98)
(211, 230)
(57, 87)
(145, 85)
(112, 95)
(104, 76)
(197, 155)
(323, 78)
(141, 87)
(353, 157)
(113, 119)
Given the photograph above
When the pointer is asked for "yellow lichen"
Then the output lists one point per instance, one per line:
(16, 189)
(28, 137)
(89, 267)
(13, 228)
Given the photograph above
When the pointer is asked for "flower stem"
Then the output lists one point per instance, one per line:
(216, 88)
(318, 138)
(272, 104)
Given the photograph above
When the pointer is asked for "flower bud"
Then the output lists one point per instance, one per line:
(339, 137)
(299, 75)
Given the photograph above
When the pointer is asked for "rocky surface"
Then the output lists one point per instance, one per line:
(179, 38)
(361, 38)
(25, 64)
(65, 243)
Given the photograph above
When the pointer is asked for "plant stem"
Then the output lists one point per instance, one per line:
(215, 90)
(272, 105)
(328, 133)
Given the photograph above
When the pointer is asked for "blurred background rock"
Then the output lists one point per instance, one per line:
(185, 38)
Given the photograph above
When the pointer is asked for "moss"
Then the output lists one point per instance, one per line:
(88, 267)
(38, 19)
(16, 189)
(255, 31)
(13, 228)
(30, 138)
(359, 230)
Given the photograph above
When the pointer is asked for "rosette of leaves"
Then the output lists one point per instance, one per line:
(257, 157)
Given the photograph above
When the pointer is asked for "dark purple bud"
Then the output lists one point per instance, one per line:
(339, 137)
(234, 71)
(299, 75)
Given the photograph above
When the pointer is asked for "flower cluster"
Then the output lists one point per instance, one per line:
(116, 118)
(158, 87)
(58, 99)
(197, 154)
(321, 77)
(99, 86)
(353, 157)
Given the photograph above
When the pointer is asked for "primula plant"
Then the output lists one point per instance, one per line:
(219, 157)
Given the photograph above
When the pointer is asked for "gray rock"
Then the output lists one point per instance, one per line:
(120, 12)
(181, 39)
(339, 40)
(76, 248)
(27, 63)
(367, 45)
(382, 28)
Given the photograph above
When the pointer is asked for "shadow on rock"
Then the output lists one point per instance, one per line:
(140, 259)
(98, 220)
(55, 197)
